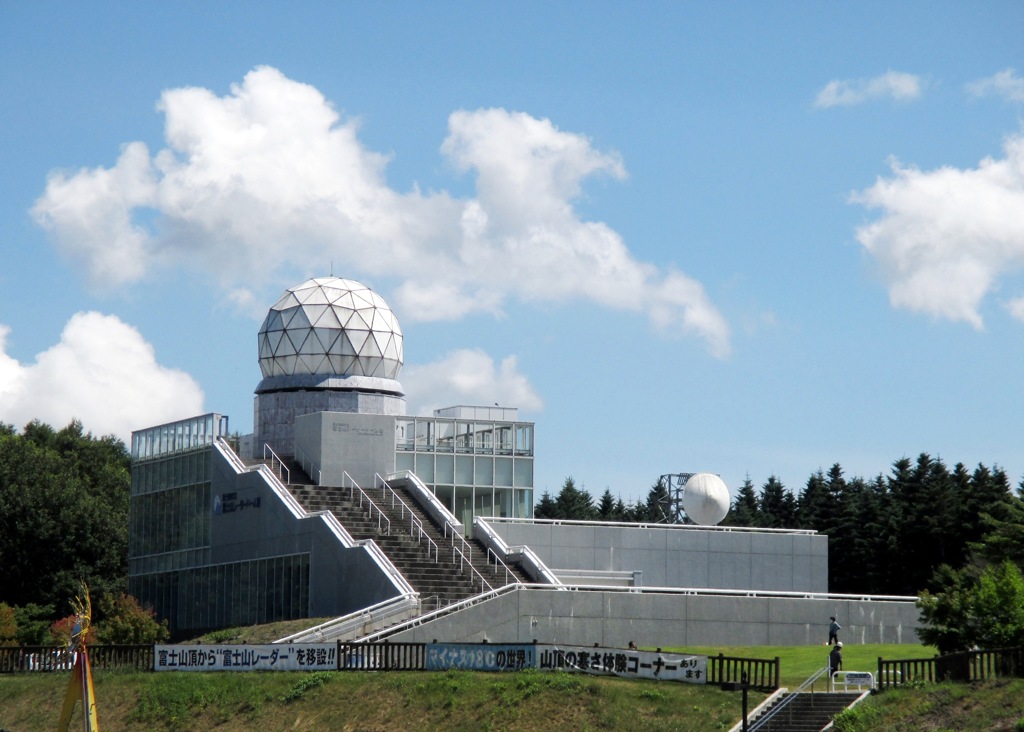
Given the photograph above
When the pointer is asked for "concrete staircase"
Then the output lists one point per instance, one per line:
(440, 575)
(804, 712)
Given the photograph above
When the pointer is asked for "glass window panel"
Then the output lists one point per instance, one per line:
(405, 461)
(484, 471)
(503, 472)
(445, 436)
(425, 467)
(484, 502)
(463, 509)
(463, 436)
(524, 439)
(405, 436)
(463, 469)
(445, 469)
(523, 473)
(505, 500)
(424, 434)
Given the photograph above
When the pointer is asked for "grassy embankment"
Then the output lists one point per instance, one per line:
(462, 700)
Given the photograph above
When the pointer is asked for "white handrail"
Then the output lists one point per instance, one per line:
(338, 628)
(353, 487)
(496, 545)
(652, 525)
(760, 722)
(458, 555)
(415, 525)
(285, 472)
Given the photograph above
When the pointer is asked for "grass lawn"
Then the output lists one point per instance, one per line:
(414, 701)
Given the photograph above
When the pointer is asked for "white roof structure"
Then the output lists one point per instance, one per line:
(331, 326)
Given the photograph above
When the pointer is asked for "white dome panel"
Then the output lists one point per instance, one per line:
(330, 326)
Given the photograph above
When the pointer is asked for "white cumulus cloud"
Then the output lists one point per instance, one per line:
(945, 236)
(271, 175)
(468, 376)
(895, 85)
(1005, 84)
(103, 373)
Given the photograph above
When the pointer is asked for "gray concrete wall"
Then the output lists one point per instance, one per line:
(275, 413)
(360, 444)
(680, 556)
(609, 618)
(341, 579)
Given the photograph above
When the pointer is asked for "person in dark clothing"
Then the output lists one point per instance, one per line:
(833, 631)
(835, 658)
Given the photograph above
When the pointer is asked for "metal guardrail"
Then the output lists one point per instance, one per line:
(354, 624)
(528, 559)
(459, 546)
(283, 473)
(654, 525)
(764, 721)
(416, 529)
(383, 522)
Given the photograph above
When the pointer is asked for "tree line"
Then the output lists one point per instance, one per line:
(64, 498)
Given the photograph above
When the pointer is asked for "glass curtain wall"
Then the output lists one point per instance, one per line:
(476, 467)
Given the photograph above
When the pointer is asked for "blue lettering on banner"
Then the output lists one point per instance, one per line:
(479, 657)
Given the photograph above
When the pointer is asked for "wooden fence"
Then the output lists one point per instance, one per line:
(762, 673)
(24, 659)
(962, 666)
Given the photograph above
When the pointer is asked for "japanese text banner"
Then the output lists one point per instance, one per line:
(270, 657)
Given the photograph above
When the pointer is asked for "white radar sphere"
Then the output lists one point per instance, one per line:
(705, 499)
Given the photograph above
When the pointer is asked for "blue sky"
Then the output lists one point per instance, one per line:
(743, 238)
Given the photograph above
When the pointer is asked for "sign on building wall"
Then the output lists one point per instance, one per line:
(270, 657)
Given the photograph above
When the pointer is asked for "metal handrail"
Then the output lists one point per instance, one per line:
(353, 487)
(458, 555)
(763, 720)
(495, 540)
(415, 525)
(285, 472)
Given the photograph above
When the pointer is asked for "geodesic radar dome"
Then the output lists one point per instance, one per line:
(330, 326)
(705, 499)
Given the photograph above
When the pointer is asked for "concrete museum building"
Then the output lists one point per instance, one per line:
(339, 505)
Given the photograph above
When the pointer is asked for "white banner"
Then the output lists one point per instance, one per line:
(627, 664)
(270, 657)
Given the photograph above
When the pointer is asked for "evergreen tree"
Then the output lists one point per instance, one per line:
(655, 509)
(815, 506)
(745, 510)
(624, 512)
(545, 508)
(606, 507)
(778, 506)
(574, 503)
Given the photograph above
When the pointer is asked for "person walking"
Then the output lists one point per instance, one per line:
(835, 659)
(833, 631)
